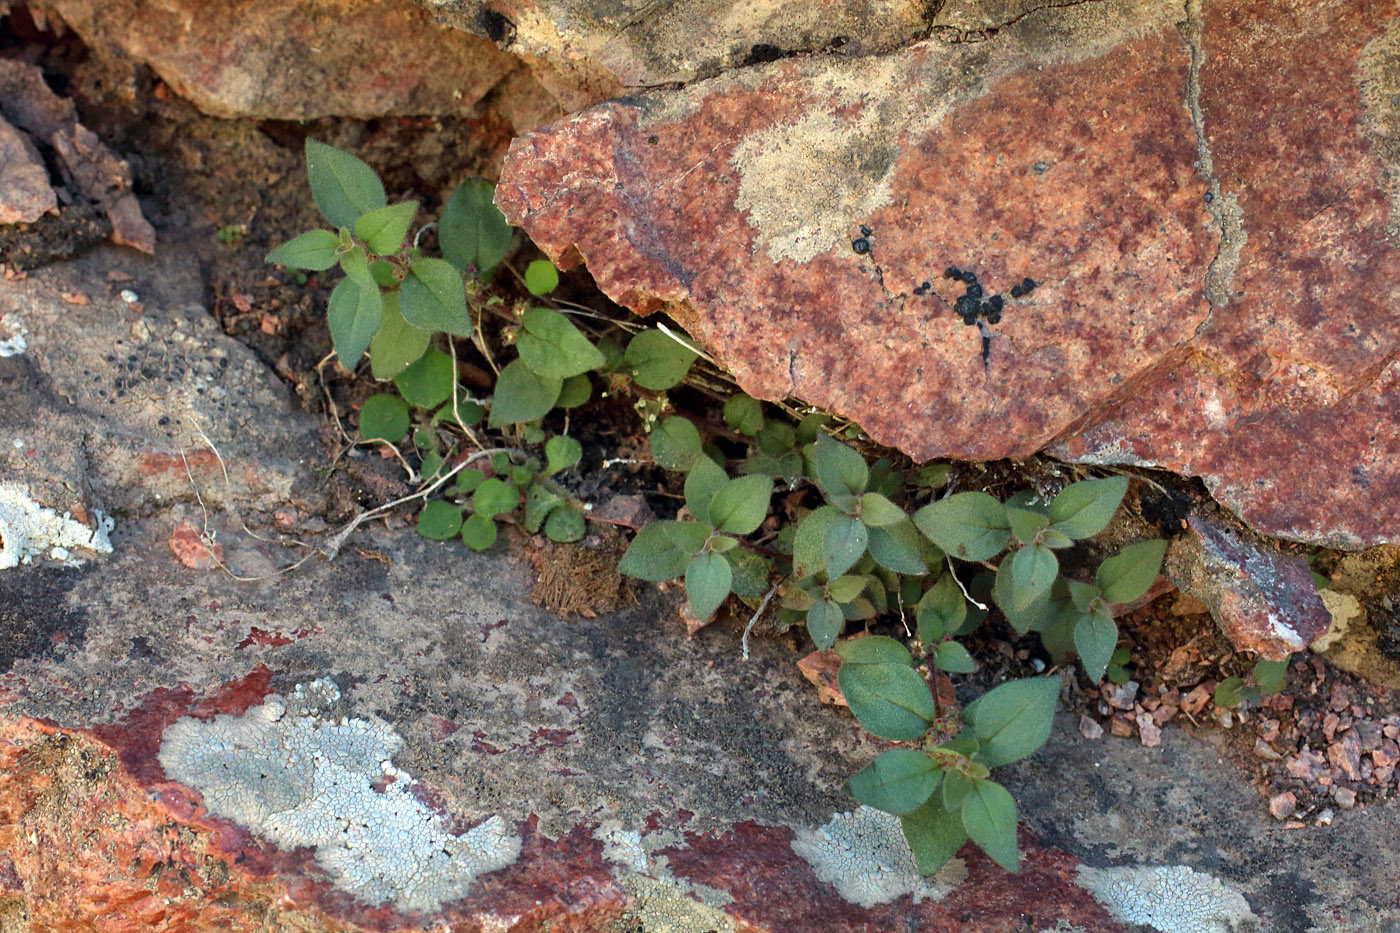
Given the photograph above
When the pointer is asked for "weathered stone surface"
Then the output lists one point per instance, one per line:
(299, 60)
(653, 782)
(589, 50)
(90, 169)
(1265, 601)
(1204, 198)
(25, 193)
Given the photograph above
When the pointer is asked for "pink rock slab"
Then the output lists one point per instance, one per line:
(1207, 210)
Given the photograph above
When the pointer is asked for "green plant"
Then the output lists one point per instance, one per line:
(1117, 670)
(858, 554)
(842, 546)
(1266, 677)
(407, 310)
(230, 235)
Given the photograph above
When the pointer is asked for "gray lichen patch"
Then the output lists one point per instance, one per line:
(287, 771)
(1379, 78)
(28, 530)
(663, 906)
(1170, 899)
(806, 181)
(661, 902)
(865, 856)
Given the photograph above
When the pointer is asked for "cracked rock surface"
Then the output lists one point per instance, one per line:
(174, 742)
(1204, 193)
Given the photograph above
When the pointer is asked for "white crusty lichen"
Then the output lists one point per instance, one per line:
(28, 530)
(15, 344)
(1170, 899)
(661, 903)
(865, 855)
(289, 772)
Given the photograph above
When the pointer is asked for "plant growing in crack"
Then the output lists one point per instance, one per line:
(858, 554)
(475, 460)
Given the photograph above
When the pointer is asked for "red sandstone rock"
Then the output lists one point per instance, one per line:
(90, 169)
(299, 60)
(1282, 805)
(90, 829)
(25, 194)
(1216, 280)
(191, 550)
(1263, 599)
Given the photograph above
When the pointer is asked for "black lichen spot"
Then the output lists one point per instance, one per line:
(861, 245)
(653, 139)
(763, 52)
(497, 28)
(952, 272)
(865, 231)
(36, 616)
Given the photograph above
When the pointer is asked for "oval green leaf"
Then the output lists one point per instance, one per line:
(809, 543)
(432, 298)
(744, 414)
(1130, 573)
(675, 443)
(1082, 510)
(384, 229)
(846, 538)
(1013, 720)
(495, 497)
(343, 185)
(825, 622)
(1033, 572)
(989, 816)
(353, 316)
(384, 418)
(522, 395)
(934, 834)
(967, 525)
(427, 382)
(702, 482)
(439, 520)
(741, 505)
(878, 512)
(478, 532)
(565, 525)
(1095, 637)
(707, 580)
(897, 782)
(560, 453)
(472, 231)
(897, 547)
(840, 470)
(314, 251)
(953, 657)
(941, 611)
(397, 343)
(874, 649)
(662, 550)
(657, 361)
(890, 700)
(541, 277)
(552, 346)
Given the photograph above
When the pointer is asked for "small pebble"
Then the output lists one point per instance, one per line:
(1282, 805)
